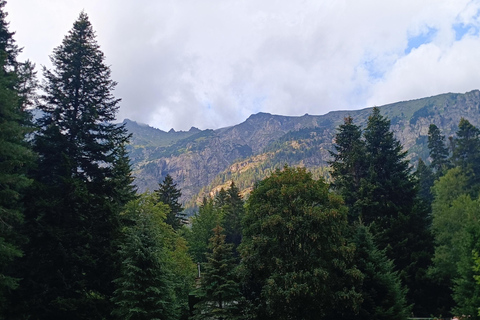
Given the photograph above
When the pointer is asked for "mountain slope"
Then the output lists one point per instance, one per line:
(200, 160)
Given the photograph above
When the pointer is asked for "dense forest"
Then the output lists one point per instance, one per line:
(77, 241)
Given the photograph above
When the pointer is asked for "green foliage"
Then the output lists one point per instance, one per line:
(466, 154)
(144, 289)
(81, 183)
(219, 292)
(438, 150)
(349, 165)
(156, 273)
(296, 262)
(374, 177)
(169, 194)
(382, 292)
(15, 155)
(203, 223)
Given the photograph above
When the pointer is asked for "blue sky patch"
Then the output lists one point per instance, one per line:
(418, 40)
(462, 29)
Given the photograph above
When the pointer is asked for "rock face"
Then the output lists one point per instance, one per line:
(198, 158)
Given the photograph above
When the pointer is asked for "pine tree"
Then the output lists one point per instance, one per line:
(145, 287)
(219, 292)
(382, 292)
(81, 183)
(232, 217)
(425, 178)
(169, 194)
(15, 157)
(438, 150)
(348, 165)
(466, 154)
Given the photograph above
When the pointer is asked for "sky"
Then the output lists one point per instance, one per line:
(212, 63)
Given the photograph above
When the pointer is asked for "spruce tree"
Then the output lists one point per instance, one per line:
(81, 183)
(466, 154)
(348, 165)
(15, 157)
(232, 217)
(145, 286)
(438, 150)
(383, 295)
(169, 194)
(219, 291)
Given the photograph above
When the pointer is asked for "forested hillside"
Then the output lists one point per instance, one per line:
(203, 161)
(389, 235)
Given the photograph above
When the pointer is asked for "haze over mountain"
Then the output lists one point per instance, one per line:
(202, 161)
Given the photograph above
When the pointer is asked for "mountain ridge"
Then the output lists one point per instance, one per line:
(201, 160)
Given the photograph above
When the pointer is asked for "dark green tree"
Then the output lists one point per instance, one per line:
(348, 165)
(296, 260)
(382, 292)
(169, 194)
(233, 212)
(219, 292)
(466, 154)
(15, 157)
(145, 287)
(425, 178)
(81, 183)
(438, 150)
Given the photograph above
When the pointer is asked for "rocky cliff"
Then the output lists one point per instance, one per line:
(201, 160)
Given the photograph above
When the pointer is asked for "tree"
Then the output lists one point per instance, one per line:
(348, 165)
(219, 292)
(466, 154)
(145, 287)
(15, 157)
(375, 178)
(169, 194)
(382, 292)
(438, 150)
(81, 184)
(233, 212)
(203, 223)
(425, 178)
(296, 261)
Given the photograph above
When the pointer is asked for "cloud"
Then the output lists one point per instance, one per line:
(211, 63)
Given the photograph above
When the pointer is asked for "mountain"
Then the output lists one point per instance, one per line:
(202, 161)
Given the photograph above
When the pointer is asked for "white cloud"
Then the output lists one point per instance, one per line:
(212, 63)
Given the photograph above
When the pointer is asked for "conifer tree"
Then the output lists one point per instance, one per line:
(232, 216)
(15, 157)
(219, 292)
(438, 150)
(348, 165)
(466, 154)
(169, 194)
(145, 287)
(382, 292)
(80, 185)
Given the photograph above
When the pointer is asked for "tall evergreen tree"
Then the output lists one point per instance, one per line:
(466, 154)
(80, 185)
(219, 292)
(145, 286)
(382, 292)
(232, 216)
(348, 165)
(169, 194)
(438, 150)
(15, 156)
